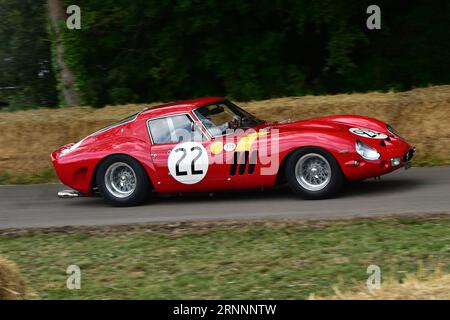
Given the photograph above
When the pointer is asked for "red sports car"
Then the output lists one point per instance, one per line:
(211, 144)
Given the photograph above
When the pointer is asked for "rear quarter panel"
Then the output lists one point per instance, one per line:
(77, 169)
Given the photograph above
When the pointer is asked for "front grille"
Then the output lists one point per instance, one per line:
(409, 155)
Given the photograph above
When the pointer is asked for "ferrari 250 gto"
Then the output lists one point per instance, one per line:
(210, 144)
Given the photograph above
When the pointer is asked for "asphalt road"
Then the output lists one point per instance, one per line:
(418, 190)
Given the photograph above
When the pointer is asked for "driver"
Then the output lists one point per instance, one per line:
(217, 130)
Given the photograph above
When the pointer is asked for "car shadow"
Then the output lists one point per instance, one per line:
(281, 192)
(350, 189)
(372, 187)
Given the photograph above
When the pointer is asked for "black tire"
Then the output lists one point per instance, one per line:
(142, 187)
(330, 188)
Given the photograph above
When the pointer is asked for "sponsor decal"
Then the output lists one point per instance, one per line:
(245, 143)
(230, 146)
(216, 147)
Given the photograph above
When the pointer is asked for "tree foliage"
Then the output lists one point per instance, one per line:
(148, 50)
(154, 50)
(26, 77)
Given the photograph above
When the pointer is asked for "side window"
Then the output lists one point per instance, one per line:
(174, 129)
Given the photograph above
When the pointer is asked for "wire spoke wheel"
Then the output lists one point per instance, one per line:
(313, 171)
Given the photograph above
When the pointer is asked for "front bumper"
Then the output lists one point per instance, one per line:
(357, 168)
(409, 155)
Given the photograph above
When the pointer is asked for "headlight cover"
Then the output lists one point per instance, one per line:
(365, 151)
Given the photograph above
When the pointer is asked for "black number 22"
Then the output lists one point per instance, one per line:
(178, 172)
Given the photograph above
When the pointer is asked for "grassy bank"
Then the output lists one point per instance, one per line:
(420, 115)
(240, 260)
(423, 285)
(12, 284)
(45, 176)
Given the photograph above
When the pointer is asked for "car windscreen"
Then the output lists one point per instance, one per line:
(217, 116)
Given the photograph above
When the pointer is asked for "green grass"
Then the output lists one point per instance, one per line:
(245, 260)
(45, 176)
(431, 162)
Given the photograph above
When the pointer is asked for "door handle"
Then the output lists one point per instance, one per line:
(154, 155)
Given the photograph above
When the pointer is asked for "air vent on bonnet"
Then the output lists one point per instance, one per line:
(386, 142)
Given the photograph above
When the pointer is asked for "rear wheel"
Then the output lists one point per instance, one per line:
(313, 173)
(122, 181)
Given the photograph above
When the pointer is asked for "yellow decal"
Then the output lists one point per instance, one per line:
(245, 143)
(216, 147)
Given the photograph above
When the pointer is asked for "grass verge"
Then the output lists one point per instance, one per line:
(45, 176)
(287, 259)
(12, 285)
(423, 285)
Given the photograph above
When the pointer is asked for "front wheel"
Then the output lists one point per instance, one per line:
(122, 181)
(313, 173)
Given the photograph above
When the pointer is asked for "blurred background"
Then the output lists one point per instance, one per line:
(151, 50)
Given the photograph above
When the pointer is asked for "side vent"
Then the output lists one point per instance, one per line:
(241, 159)
(243, 163)
(252, 164)
(234, 164)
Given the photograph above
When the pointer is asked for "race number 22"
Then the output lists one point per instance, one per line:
(188, 162)
(178, 172)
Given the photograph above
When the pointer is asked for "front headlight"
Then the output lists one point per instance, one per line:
(365, 151)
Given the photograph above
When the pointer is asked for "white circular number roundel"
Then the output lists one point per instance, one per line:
(368, 133)
(188, 162)
(230, 146)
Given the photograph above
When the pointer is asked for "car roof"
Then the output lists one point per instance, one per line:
(177, 107)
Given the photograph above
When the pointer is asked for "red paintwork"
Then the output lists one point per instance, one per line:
(77, 168)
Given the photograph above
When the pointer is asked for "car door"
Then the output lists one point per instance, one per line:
(249, 157)
(181, 155)
(245, 150)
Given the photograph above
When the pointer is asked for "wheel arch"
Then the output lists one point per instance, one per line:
(281, 177)
(93, 182)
